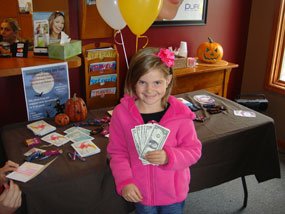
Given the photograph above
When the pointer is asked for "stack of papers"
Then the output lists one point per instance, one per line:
(86, 148)
(56, 139)
(41, 128)
(27, 171)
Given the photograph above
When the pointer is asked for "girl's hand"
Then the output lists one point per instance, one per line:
(157, 157)
(10, 199)
(131, 193)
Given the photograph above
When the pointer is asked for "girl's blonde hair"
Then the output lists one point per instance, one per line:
(141, 63)
(13, 24)
(15, 28)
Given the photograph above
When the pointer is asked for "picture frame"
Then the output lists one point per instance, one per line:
(190, 12)
(25, 6)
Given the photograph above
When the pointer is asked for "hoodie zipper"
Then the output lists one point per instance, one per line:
(152, 184)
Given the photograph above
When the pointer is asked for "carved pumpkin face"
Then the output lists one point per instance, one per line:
(61, 119)
(210, 52)
(76, 109)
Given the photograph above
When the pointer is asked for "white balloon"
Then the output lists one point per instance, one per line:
(110, 12)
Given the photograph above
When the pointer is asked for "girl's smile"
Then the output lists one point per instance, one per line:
(58, 24)
(150, 89)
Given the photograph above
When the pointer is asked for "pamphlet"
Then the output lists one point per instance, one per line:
(86, 148)
(78, 136)
(28, 171)
(101, 66)
(55, 139)
(40, 127)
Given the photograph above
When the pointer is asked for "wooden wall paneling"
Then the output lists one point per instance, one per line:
(9, 9)
(91, 23)
(26, 24)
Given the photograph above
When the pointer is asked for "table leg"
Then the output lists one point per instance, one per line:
(244, 191)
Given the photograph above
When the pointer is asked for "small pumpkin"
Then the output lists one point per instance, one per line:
(76, 109)
(61, 119)
(210, 52)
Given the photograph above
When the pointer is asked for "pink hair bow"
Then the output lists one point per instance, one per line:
(166, 56)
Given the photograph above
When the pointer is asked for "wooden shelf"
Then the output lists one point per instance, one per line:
(180, 72)
(12, 66)
(209, 77)
(104, 100)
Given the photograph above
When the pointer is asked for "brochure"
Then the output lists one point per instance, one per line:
(86, 148)
(28, 171)
(41, 127)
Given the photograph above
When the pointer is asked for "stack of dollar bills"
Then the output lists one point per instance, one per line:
(149, 137)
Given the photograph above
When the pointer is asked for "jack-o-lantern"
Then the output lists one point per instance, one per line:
(61, 119)
(210, 52)
(76, 109)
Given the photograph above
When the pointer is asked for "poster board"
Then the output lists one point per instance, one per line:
(46, 87)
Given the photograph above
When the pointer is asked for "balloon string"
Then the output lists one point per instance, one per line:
(115, 35)
(137, 40)
(144, 37)
(124, 49)
(121, 43)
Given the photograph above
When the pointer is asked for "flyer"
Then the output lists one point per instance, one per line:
(46, 87)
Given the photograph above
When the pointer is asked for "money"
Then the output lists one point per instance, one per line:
(149, 137)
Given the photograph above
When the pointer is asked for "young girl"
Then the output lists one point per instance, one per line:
(162, 186)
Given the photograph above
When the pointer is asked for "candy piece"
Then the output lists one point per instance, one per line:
(32, 141)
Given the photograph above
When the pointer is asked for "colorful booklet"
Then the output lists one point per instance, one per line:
(101, 66)
(41, 128)
(86, 148)
(78, 136)
(27, 171)
(75, 128)
(55, 139)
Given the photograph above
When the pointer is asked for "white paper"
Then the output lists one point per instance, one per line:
(86, 148)
(242, 113)
(64, 38)
(27, 171)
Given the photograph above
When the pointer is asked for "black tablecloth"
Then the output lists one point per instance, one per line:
(232, 147)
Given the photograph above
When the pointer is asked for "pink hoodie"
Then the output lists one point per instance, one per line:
(163, 184)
